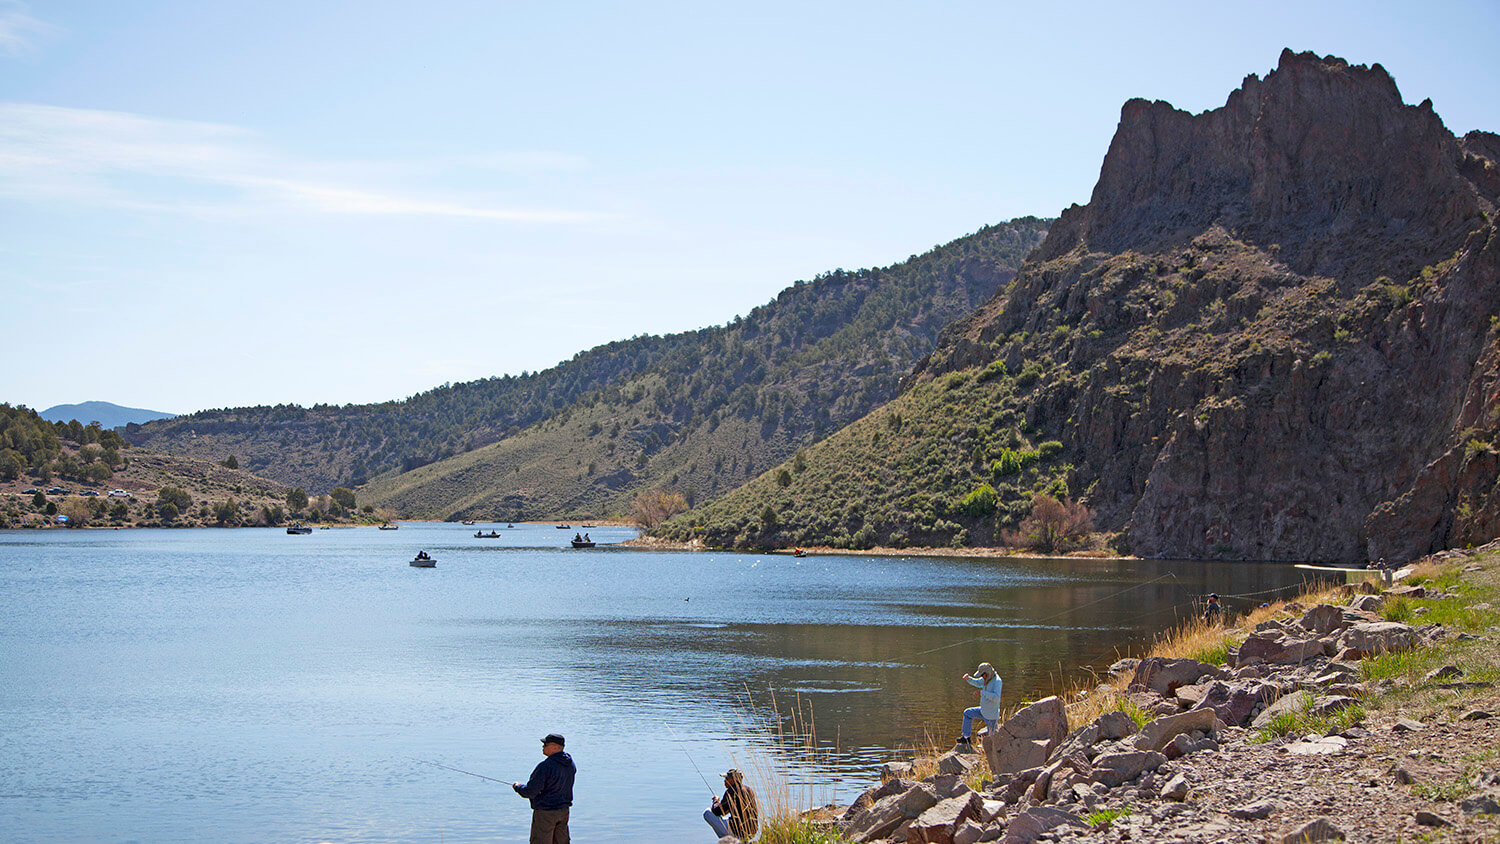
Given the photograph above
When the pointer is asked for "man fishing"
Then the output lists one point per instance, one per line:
(988, 682)
(740, 807)
(550, 791)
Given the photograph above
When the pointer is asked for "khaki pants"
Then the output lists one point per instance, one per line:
(549, 826)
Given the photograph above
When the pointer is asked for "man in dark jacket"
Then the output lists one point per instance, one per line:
(740, 807)
(550, 791)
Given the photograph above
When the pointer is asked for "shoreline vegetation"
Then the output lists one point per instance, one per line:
(1363, 711)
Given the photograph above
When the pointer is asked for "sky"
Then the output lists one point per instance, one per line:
(236, 203)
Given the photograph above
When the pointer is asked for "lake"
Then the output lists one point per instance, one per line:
(249, 686)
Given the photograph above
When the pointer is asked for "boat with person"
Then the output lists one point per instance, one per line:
(479, 534)
(389, 526)
(583, 543)
(298, 530)
(422, 561)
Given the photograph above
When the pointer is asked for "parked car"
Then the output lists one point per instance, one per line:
(29, 491)
(56, 490)
(88, 492)
(118, 493)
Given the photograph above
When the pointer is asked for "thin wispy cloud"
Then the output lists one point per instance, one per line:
(17, 29)
(53, 153)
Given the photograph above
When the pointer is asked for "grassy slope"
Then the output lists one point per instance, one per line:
(712, 416)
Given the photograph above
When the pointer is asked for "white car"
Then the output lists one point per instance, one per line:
(118, 493)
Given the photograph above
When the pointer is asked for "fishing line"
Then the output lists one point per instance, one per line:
(459, 770)
(690, 758)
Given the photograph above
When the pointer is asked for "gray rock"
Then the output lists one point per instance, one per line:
(1320, 829)
(1447, 672)
(937, 824)
(1476, 715)
(1318, 746)
(1367, 603)
(1323, 619)
(1028, 737)
(1175, 789)
(1236, 703)
(1407, 725)
(1124, 665)
(896, 770)
(1156, 734)
(1481, 804)
(1257, 811)
(888, 813)
(1029, 825)
(968, 832)
(1116, 725)
(1377, 637)
(1115, 769)
(1275, 648)
(1163, 676)
(947, 785)
(960, 764)
(1294, 702)
(1429, 819)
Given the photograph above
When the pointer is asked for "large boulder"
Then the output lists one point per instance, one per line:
(1292, 703)
(1377, 637)
(886, 814)
(1235, 703)
(1276, 648)
(1027, 738)
(937, 824)
(1114, 769)
(1163, 675)
(1156, 734)
(1029, 825)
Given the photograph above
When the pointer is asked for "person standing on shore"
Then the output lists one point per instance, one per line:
(988, 682)
(550, 791)
(739, 804)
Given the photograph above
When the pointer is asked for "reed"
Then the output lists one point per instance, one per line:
(784, 763)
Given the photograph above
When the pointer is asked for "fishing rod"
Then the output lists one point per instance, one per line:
(690, 759)
(460, 771)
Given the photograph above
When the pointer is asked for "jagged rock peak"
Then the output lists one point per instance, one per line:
(1315, 151)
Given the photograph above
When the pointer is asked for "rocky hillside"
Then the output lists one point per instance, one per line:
(1271, 334)
(717, 407)
(820, 355)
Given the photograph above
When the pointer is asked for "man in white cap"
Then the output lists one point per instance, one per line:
(987, 681)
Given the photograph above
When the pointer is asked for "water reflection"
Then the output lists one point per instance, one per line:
(270, 687)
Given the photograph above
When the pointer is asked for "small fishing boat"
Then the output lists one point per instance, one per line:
(298, 530)
(422, 561)
(564, 527)
(467, 521)
(583, 543)
(390, 527)
(479, 534)
(799, 553)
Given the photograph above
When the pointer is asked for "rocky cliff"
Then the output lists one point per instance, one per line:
(1272, 332)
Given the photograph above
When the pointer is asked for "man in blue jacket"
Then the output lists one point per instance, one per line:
(550, 791)
(987, 681)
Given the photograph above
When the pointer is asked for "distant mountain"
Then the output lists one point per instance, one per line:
(1272, 334)
(107, 414)
(701, 411)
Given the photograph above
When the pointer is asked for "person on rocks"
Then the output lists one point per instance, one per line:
(737, 813)
(988, 682)
(1213, 611)
(550, 791)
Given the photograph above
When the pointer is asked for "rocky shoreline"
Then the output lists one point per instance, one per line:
(1365, 715)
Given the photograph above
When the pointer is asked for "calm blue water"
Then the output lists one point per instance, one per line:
(250, 686)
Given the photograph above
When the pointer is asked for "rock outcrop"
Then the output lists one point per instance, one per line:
(1269, 333)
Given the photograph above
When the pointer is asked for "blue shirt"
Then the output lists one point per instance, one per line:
(989, 696)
